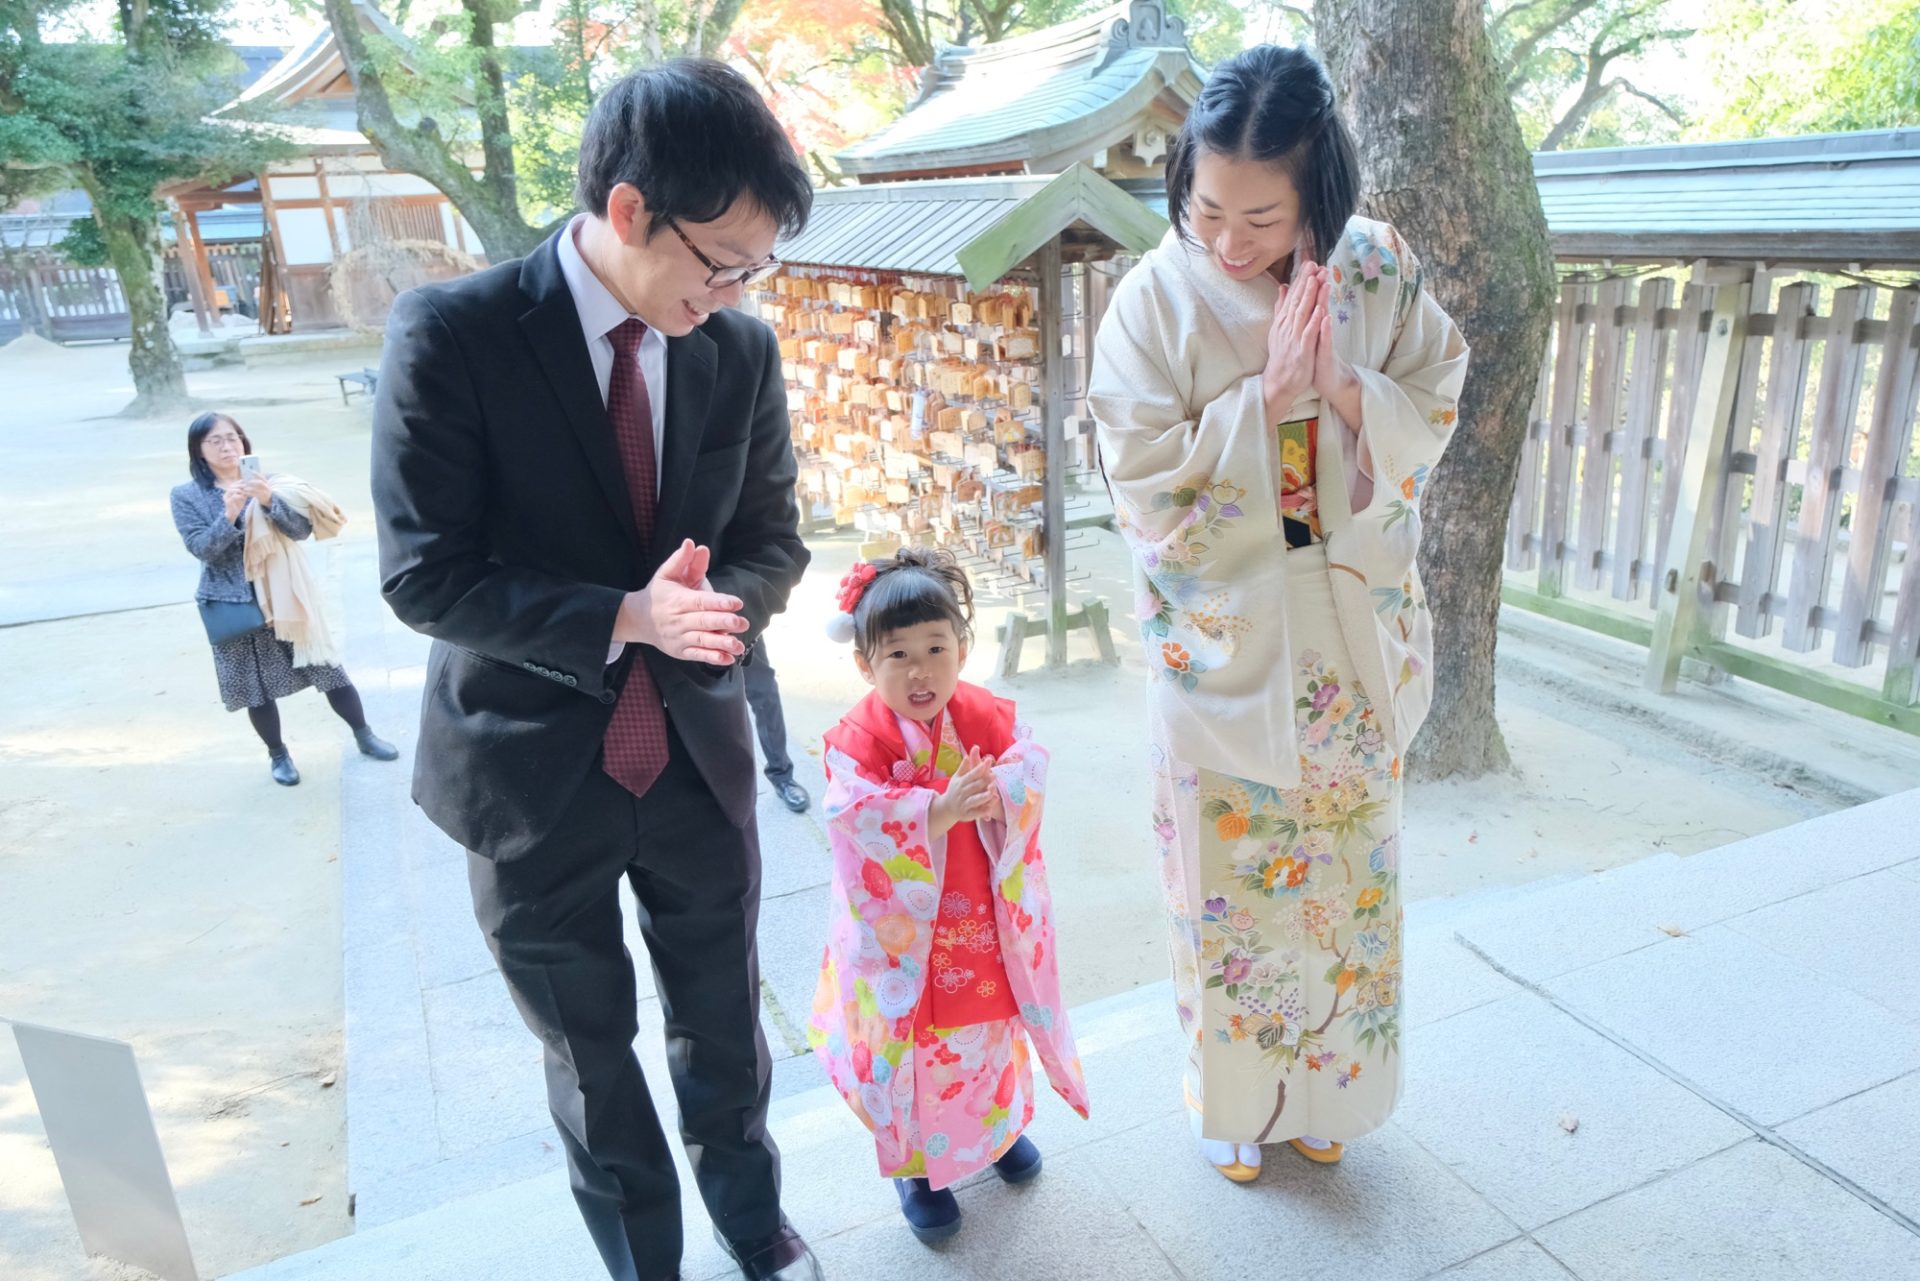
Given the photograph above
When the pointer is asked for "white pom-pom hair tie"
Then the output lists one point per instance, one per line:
(853, 585)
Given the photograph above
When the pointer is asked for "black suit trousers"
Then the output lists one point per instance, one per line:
(552, 919)
(769, 718)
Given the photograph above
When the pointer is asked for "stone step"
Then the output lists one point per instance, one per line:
(1434, 912)
(1570, 926)
(530, 1228)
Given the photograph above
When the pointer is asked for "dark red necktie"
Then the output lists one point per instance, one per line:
(636, 741)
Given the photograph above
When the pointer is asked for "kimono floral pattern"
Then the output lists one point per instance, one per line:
(1287, 964)
(1279, 853)
(1177, 598)
(940, 1102)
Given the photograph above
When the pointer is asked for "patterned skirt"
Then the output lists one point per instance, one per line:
(973, 1096)
(1284, 907)
(255, 669)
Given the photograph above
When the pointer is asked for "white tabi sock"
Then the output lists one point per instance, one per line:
(1217, 1151)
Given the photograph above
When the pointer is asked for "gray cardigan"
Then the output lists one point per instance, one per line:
(199, 513)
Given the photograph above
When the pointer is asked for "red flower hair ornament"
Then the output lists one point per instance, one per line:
(853, 585)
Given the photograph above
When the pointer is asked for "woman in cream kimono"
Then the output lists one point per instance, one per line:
(1273, 385)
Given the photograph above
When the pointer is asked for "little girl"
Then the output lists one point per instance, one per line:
(940, 946)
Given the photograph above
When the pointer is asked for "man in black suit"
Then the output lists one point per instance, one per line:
(584, 486)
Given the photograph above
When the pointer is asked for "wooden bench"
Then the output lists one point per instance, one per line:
(365, 381)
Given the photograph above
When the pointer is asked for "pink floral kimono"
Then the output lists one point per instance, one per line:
(958, 928)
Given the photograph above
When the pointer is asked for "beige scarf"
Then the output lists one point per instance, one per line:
(277, 567)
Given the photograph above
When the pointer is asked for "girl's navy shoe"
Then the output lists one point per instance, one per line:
(933, 1216)
(1020, 1162)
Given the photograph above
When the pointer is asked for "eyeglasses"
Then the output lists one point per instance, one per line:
(719, 277)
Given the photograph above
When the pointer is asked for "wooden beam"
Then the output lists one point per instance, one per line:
(326, 206)
(202, 271)
(193, 267)
(1054, 502)
(1891, 248)
(1801, 682)
(277, 304)
(1678, 593)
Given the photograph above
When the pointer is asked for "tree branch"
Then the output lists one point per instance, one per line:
(1501, 19)
(496, 133)
(423, 150)
(1623, 85)
(1522, 53)
(714, 25)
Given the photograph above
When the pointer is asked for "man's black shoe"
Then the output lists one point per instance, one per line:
(780, 1257)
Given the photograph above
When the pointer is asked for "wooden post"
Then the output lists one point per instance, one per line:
(1054, 502)
(1571, 357)
(1722, 507)
(280, 302)
(1888, 432)
(326, 206)
(1522, 543)
(1596, 463)
(199, 277)
(1059, 619)
(1631, 571)
(1759, 599)
(1678, 594)
(1834, 413)
(1902, 687)
(1690, 342)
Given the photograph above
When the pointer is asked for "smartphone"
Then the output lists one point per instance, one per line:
(250, 466)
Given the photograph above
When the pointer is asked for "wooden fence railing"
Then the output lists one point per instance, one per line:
(73, 303)
(80, 303)
(236, 268)
(1734, 452)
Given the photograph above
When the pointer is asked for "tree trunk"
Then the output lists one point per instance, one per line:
(1445, 163)
(133, 247)
(490, 104)
(490, 203)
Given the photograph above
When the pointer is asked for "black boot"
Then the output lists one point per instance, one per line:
(283, 771)
(371, 744)
(933, 1216)
(1019, 1162)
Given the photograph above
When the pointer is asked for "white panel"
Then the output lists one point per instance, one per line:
(95, 1114)
(357, 185)
(294, 188)
(474, 246)
(303, 232)
(446, 224)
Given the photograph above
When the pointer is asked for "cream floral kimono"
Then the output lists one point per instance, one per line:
(1287, 682)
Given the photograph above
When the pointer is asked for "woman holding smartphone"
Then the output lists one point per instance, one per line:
(254, 666)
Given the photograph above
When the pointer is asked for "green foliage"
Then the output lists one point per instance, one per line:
(1216, 29)
(122, 118)
(83, 244)
(1817, 66)
(548, 112)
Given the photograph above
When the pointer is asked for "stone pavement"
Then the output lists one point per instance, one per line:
(451, 1157)
(1681, 1068)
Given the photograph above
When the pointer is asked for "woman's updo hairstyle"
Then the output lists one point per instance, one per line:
(916, 585)
(1273, 104)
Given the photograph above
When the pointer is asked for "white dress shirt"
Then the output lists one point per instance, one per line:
(600, 314)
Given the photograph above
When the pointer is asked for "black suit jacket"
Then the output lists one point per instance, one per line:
(506, 534)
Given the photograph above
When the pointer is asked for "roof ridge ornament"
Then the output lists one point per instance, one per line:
(1147, 25)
